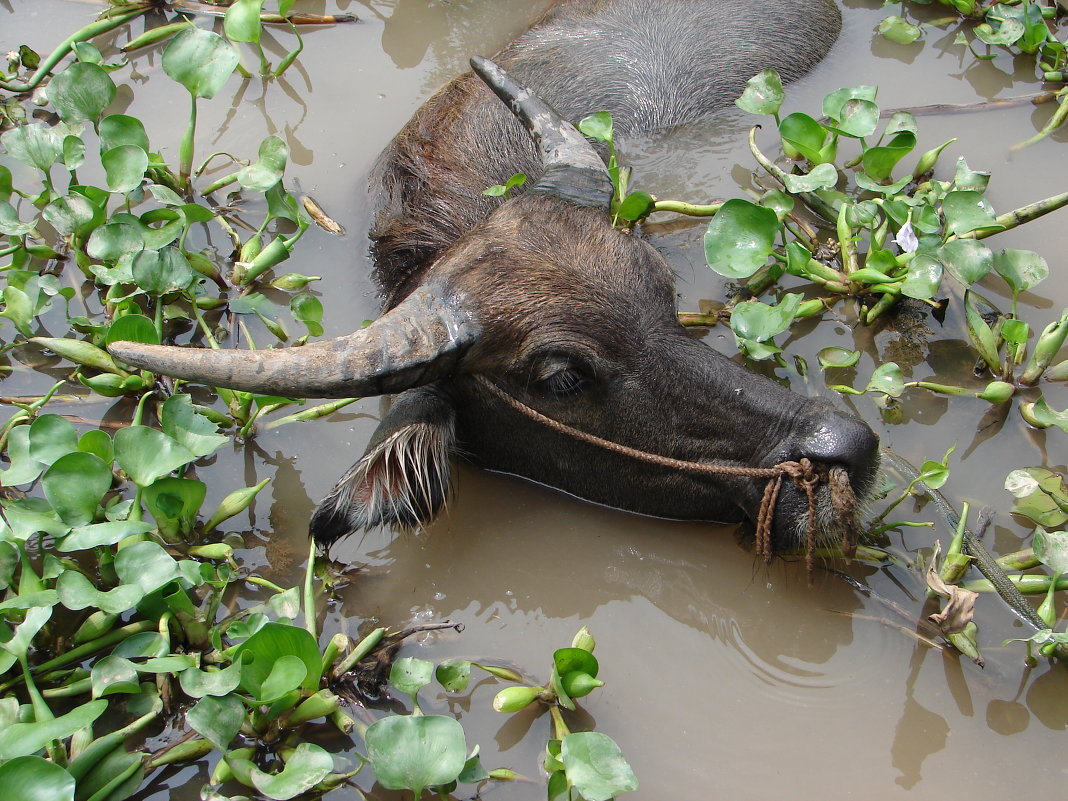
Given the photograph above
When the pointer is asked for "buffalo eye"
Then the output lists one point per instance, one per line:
(566, 382)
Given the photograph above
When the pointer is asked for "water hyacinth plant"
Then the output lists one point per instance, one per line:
(122, 647)
(118, 580)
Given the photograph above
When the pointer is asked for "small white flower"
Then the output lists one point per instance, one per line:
(906, 238)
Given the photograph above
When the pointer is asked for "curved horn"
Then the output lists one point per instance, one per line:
(418, 341)
(573, 170)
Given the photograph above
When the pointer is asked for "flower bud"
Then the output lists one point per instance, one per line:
(81, 352)
(293, 281)
(234, 503)
(96, 625)
(512, 699)
(323, 704)
(218, 551)
(584, 640)
(507, 674)
(1046, 347)
(997, 392)
(578, 684)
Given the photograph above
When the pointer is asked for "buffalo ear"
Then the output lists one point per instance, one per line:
(405, 476)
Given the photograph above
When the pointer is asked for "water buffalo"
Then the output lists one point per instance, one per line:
(539, 298)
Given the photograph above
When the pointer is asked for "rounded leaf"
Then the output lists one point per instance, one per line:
(146, 454)
(31, 778)
(305, 767)
(125, 167)
(595, 766)
(119, 129)
(81, 92)
(740, 238)
(200, 60)
(763, 93)
(413, 753)
(75, 484)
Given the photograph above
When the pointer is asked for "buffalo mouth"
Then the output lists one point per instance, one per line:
(830, 517)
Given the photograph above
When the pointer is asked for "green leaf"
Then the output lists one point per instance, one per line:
(899, 30)
(879, 161)
(888, 380)
(117, 130)
(75, 484)
(267, 170)
(132, 328)
(174, 503)
(1051, 547)
(51, 437)
(270, 644)
(595, 766)
(305, 767)
(158, 272)
(77, 592)
(114, 674)
(967, 260)
(924, 278)
(802, 134)
(147, 565)
(146, 454)
(980, 334)
(453, 674)
(857, 118)
(569, 660)
(834, 102)
(19, 645)
(763, 93)
(308, 309)
(10, 224)
(823, 176)
(112, 240)
(195, 432)
(24, 468)
(409, 675)
(33, 144)
(22, 739)
(760, 322)
(84, 538)
(1021, 269)
(242, 21)
(217, 720)
(413, 753)
(81, 92)
(73, 214)
(635, 206)
(31, 778)
(125, 167)
(200, 60)
(1048, 416)
(740, 238)
(597, 126)
(967, 211)
(838, 357)
(199, 683)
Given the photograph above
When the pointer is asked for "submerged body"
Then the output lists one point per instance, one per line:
(542, 298)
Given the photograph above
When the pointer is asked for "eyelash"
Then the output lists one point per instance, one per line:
(566, 382)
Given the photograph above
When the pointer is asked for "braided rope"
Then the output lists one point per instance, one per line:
(802, 472)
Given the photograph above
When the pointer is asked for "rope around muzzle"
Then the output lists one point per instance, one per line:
(803, 472)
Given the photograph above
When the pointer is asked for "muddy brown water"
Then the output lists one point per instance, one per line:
(725, 679)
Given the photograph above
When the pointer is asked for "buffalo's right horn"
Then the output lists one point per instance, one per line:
(417, 342)
(573, 169)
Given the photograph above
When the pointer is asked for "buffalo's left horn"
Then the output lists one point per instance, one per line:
(415, 343)
(573, 169)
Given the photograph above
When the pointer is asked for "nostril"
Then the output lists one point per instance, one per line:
(839, 438)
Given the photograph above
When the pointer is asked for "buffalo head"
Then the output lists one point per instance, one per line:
(550, 303)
